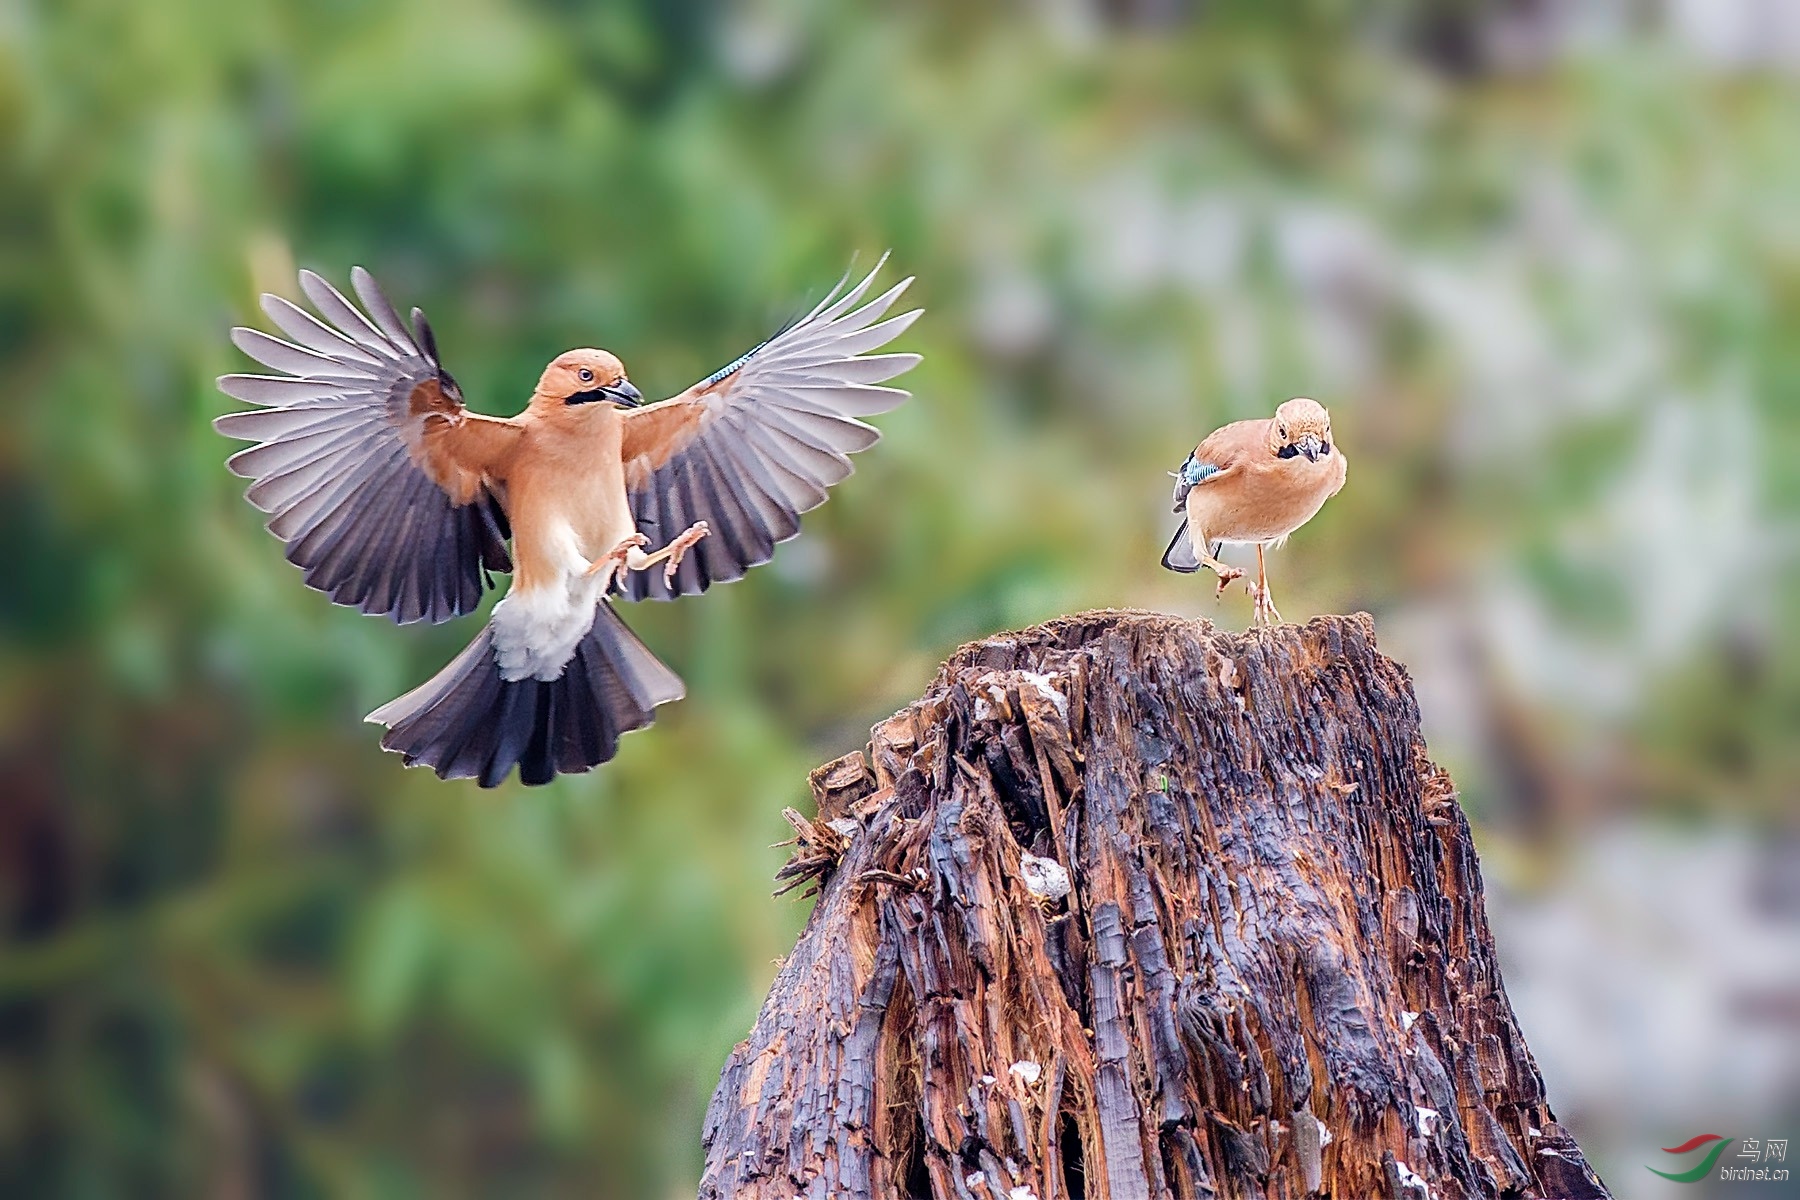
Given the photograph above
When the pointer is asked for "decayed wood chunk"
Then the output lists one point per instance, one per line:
(1127, 906)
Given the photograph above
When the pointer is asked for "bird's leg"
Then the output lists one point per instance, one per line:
(1224, 570)
(673, 552)
(1265, 612)
(617, 557)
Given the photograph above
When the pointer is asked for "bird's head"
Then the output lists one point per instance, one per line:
(585, 377)
(1301, 426)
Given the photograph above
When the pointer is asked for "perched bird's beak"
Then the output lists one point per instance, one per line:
(624, 394)
(1310, 445)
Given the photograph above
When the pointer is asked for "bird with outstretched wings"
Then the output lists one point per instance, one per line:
(394, 498)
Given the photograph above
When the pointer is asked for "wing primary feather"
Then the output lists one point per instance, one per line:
(819, 464)
(758, 477)
(324, 504)
(868, 338)
(279, 491)
(311, 332)
(760, 498)
(870, 368)
(841, 436)
(831, 296)
(851, 400)
(334, 307)
(842, 304)
(272, 457)
(871, 312)
(376, 301)
(332, 504)
(426, 339)
(294, 359)
(266, 425)
(800, 492)
(277, 389)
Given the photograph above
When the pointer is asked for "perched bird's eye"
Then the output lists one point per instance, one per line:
(587, 376)
(1282, 430)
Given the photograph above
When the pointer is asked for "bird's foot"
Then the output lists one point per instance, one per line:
(677, 549)
(1263, 611)
(1225, 578)
(614, 559)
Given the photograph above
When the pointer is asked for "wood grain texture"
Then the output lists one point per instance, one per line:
(1272, 976)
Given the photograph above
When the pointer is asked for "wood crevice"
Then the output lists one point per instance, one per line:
(1270, 975)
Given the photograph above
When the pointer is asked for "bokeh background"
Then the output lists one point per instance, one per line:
(1542, 260)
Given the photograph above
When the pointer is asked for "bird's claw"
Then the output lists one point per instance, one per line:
(1225, 578)
(615, 558)
(1263, 611)
(680, 546)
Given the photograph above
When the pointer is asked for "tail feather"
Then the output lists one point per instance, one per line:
(1180, 554)
(467, 722)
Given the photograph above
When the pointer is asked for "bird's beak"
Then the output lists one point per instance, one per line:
(624, 394)
(1310, 445)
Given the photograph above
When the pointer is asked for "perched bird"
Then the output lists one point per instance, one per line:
(1257, 482)
(395, 499)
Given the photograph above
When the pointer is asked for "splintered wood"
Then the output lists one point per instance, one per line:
(1129, 907)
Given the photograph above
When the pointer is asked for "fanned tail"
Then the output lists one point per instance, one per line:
(467, 722)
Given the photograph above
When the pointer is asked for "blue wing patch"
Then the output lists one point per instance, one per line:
(1192, 472)
(735, 364)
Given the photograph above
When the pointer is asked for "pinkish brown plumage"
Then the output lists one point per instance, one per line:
(1254, 482)
(396, 499)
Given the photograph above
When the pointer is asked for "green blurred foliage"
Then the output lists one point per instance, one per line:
(1552, 310)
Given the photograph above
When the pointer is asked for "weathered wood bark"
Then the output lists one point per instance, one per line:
(1272, 975)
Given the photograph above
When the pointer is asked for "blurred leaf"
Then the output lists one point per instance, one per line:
(392, 958)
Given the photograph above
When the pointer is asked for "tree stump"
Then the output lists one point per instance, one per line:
(1128, 906)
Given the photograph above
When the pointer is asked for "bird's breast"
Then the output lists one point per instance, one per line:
(568, 506)
(1266, 503)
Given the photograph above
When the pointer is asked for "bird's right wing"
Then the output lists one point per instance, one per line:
(378, 479)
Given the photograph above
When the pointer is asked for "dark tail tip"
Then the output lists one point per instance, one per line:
(1180, 554)
(469, 723)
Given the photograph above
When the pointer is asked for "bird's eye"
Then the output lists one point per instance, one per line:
(1282, 430)
(587, 376)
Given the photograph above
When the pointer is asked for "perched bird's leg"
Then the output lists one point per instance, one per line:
(674, 551)
(1265, 612)
(617, 557)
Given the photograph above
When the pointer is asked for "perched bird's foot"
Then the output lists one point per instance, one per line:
(614, 559)
(1263, 602)
(677, 549)
(1225, 578)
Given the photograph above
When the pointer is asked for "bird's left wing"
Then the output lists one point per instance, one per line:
(755, 445)
(376, 476)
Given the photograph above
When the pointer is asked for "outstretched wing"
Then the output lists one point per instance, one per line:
(378, 479)
(750, 448)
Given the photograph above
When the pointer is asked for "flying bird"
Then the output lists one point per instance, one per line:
(1254, 481)
(395, 499)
